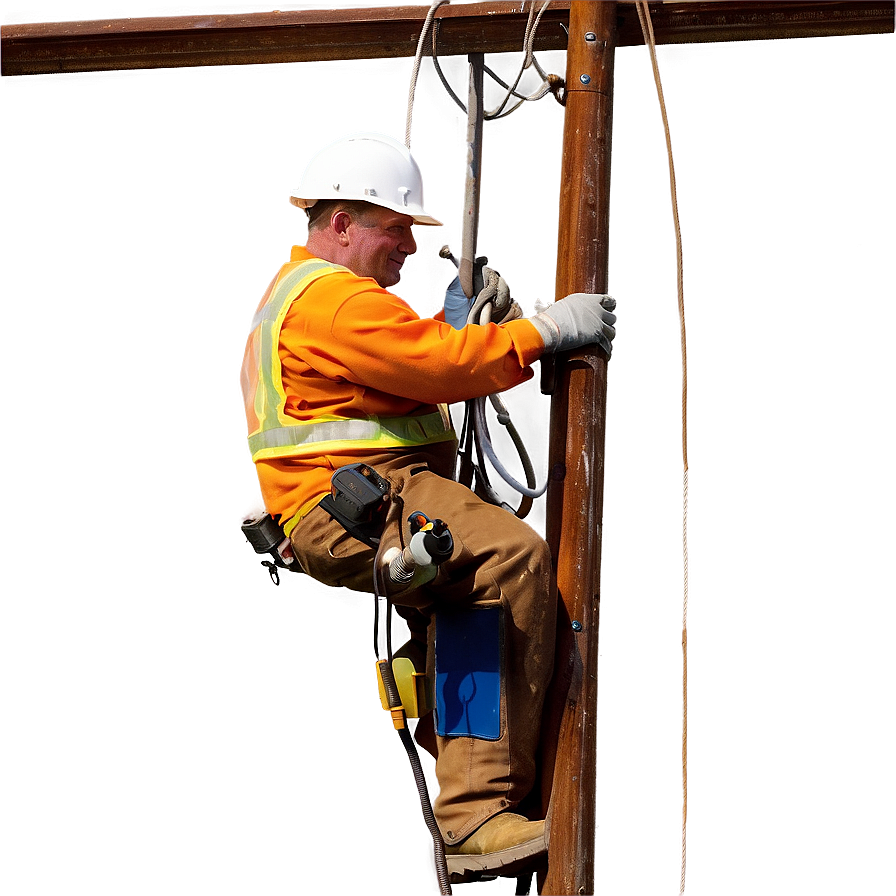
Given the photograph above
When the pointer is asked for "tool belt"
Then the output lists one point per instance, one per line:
(357, 501)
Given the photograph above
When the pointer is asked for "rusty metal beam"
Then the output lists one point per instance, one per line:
(298, 36)
(690, 23)
(392, 31)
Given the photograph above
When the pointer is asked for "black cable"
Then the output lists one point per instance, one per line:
(498, 113)
(393, 698)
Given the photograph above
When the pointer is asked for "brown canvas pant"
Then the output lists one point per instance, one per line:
(498, 560)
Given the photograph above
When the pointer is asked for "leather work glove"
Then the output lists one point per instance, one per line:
(489, 286)
(576, 320)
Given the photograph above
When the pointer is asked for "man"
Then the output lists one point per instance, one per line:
(339, 370)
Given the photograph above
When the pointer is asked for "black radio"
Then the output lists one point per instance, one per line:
(357, 501)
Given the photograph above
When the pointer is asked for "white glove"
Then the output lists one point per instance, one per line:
(579, 319)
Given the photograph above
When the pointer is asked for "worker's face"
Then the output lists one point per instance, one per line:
(378, 244)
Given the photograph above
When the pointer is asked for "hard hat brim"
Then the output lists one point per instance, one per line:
(419, 216)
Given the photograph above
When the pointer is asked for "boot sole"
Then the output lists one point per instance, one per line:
(503, 863)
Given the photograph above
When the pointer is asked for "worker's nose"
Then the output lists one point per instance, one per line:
(408, 244)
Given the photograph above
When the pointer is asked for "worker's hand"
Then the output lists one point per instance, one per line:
(491, 288)
(579, 319)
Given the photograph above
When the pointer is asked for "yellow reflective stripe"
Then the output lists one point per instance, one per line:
(276, 434)
(269, 396)
(299, 434)
(316, 436)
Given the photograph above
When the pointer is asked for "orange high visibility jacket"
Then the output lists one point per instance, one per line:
(337, 368)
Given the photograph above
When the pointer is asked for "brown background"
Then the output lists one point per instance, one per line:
(174, 724)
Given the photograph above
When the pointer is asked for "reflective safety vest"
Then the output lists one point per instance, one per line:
(275, 434)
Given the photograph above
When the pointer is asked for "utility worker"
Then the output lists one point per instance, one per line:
(340, 370)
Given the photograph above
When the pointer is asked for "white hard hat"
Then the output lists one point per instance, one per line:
(367, 167)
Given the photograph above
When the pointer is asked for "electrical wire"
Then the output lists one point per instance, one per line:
(475, 422)
(475, 433)
(485, 439)
(382, 645)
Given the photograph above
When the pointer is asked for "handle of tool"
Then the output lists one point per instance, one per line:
(475, 111)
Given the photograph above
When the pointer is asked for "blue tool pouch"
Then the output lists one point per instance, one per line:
(469, 673)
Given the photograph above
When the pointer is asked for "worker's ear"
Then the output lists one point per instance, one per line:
(339, 222)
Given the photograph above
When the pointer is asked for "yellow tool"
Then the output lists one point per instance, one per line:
(412, 688)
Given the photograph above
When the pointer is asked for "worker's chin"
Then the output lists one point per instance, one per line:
(390, 278)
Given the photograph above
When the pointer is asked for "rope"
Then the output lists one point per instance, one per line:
(532, 27)
(650, 41)
(427, 23)
(550, 83)
(528, 59)
(647, 28)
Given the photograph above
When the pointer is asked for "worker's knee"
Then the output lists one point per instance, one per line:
(527, 558)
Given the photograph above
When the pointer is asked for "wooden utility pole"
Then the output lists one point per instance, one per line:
(575, 493)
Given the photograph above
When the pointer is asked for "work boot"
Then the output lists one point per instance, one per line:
(501, 846)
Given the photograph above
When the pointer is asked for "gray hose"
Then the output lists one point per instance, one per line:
(482, 429)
